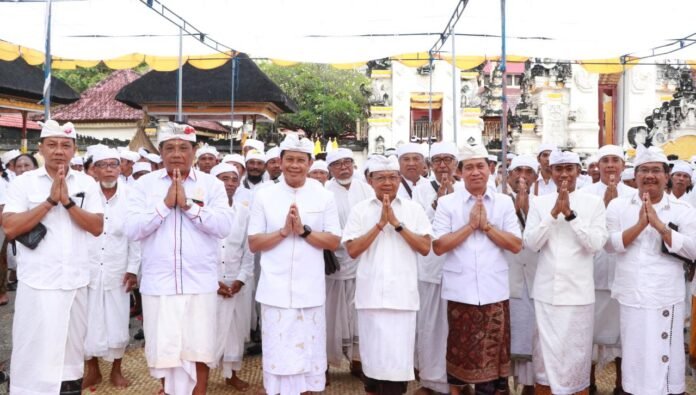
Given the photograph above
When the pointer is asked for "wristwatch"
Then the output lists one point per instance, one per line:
(70, 204)
(399, 227)
(307, 231)
(572, 216)
(51, 201)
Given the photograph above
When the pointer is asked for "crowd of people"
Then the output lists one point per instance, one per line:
(423, 264)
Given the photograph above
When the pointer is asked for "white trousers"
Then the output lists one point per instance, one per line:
(232, 329)
(108, 313)
(387, 343)
(431, 338)
(341, 321)
(48, 335)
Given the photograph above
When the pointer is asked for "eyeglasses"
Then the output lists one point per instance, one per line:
(383, 179)
(446, 160)
(342, 163)
(110, 165)
(650, 170)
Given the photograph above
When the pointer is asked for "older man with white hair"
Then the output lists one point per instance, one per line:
(431, 336)
(206, 158)
(523, 172)
(50, 319)
(114, 266)
(341, 322)
(653, 234)
(473, 227)
(411, 162)
(606, 328)
(292, 223)
(385, 234)
(567, 227)
(235, 280)
(179, 214)
(544, 184)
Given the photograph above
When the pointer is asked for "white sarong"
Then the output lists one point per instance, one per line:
(563, 347)
(48, 335)
(522, 328)
(294, 349)
(180, 331)
(606, 338)
(341, 327)
(387, 343)
(431, 338)
(653, 354)
(232, 329)
(108, 313)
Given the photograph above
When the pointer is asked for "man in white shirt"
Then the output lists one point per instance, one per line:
(681, 180)
(386, 234)
(179, 214)
(50, 318)
(8, 160)
(114, 266)
(206, 158)
(273, 169)
(252, 144)
(473, 227)
(492, 167)
(544, 184)
(593, 168)
(77, 163)
(411, 161)
(128, 159)
(255, 164)
(628, 177)
(646, 228)
(522, 268)
(341, 316)
(242, 195)
(235, 280)
(606, 322)
(567, 228)
(319, 171)
(431, 334)
(292, 223)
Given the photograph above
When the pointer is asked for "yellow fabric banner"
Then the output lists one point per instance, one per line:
(125, 62)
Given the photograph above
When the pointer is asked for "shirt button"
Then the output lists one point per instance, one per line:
(665, 313)
(665, 358)
(664, 335)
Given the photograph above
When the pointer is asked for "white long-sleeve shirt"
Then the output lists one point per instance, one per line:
(61, 260)
(522, 266)
(476, 271)
(387, 276)
(292, 272)
(235, 261)
(111, 254)
(564, 274)
(646, 277)
(180, 248)
(346, 199)
(605, 261)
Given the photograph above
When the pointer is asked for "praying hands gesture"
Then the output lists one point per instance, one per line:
(176, 195)
(612, 191)
(562, 202)
(648, 216)
(478, 217)
(522, 199)
(293, 222)
(388, 216)
(446, 187)
(59, 188)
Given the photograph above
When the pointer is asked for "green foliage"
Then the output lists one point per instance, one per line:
(329, 100)
(82, 78)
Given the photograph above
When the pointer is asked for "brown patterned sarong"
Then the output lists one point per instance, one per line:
(478, 344)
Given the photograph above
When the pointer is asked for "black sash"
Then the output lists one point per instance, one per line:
(434, 185)
(408, 188)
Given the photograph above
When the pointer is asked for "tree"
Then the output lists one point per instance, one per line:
(329, 101)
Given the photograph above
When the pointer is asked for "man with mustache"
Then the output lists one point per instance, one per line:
(179, 214)
(606, 328)
(567, 228)
(206, 158)
(114, 265)
(652, 234)
(544, 184)
(341, 323)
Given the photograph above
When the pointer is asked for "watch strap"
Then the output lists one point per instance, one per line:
(51, 201)
(70, 204)
(307, 231)
(400, 227)
(572, 216)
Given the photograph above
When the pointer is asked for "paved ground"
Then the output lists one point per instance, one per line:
(135, 369)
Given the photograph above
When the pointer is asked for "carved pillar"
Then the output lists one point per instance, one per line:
(584, 94)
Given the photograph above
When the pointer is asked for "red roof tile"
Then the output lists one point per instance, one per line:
(208, 125)
(98, 103)
(14, 120)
